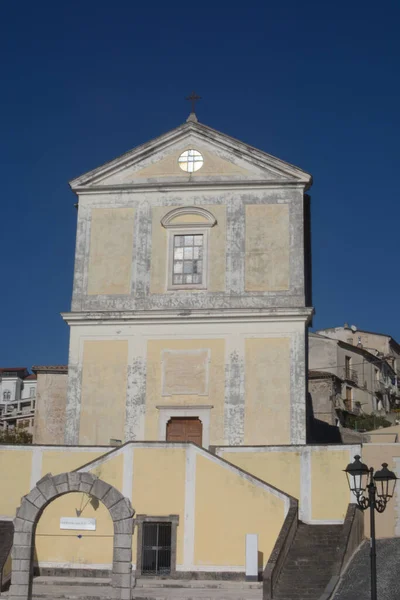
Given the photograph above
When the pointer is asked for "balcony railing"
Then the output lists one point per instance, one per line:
(350, 375)
(14, 409)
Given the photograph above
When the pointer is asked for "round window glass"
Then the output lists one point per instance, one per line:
(190, 161)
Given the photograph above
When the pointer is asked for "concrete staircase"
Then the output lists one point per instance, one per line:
(99, 588)
(310, 563)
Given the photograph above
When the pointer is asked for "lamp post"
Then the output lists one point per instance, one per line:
(372, 491)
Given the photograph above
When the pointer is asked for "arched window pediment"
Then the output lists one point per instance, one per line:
(181, 217)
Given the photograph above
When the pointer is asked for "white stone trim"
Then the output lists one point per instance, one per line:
(157, 317)
(305, 485)
(167, 219)
(202, 411)
(190, 500)
(36, 468)
(234, 400)
(128, 471)
(195, 351)
(298, 388)
(396, 498)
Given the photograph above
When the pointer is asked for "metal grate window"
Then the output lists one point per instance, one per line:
(188, 259)
(156, 549)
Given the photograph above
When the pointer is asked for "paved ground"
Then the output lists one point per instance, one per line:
(356, 581)
(52, 588)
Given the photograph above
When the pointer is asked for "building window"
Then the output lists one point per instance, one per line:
(188, 230)
(188, 259)
(7, 396)
(156, 545)
(349, 398)
(190, 161)
(347, 366)
(32, 392)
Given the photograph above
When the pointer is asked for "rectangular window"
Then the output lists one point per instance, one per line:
(187, 259)
(32, 392)
(156, 549)
(347, 366)
(349, 398)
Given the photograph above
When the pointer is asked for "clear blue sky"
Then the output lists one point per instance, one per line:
(314, 83)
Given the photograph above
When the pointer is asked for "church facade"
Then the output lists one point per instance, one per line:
(189, 317)
(191, 296)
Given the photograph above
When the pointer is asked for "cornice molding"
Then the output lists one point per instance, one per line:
(186, 186)
(190, 316)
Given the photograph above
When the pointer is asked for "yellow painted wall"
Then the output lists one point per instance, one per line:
(227, 507)
(15, 475)
(111, 247)
(329, 490)
(374, 455)
(110, 470)
(53, 544)
(267, 247)
(60, 461)
(103, 399)
(330, 494)
(216, 255)
(280, 469)
(216, 385)
(159, 487)
(267, 384)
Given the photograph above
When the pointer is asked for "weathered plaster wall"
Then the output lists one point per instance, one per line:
(322, 393)
(249, 376)
(110, 253)
(51, 399)
(104, 383)
(148, 254)
(267, 248)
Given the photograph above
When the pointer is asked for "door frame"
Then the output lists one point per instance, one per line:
(201, 411)
(139, 520)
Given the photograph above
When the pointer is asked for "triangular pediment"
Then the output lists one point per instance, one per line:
(224, 159)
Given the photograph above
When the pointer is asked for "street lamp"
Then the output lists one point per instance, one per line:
(373, 492)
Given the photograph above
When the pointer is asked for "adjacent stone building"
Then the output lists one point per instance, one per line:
(368, 381)
(50, 403)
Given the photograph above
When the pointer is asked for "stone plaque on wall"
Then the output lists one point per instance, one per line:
(185, 372)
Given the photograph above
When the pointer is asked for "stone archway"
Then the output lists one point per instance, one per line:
(34, 503)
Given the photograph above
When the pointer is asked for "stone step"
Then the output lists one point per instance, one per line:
(83, 581)
(89, 593)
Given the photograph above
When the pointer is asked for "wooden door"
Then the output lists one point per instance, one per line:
(185, 429)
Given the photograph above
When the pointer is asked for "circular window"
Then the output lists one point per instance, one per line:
(190, 161)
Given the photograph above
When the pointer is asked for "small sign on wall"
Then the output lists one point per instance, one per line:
(78, 523)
